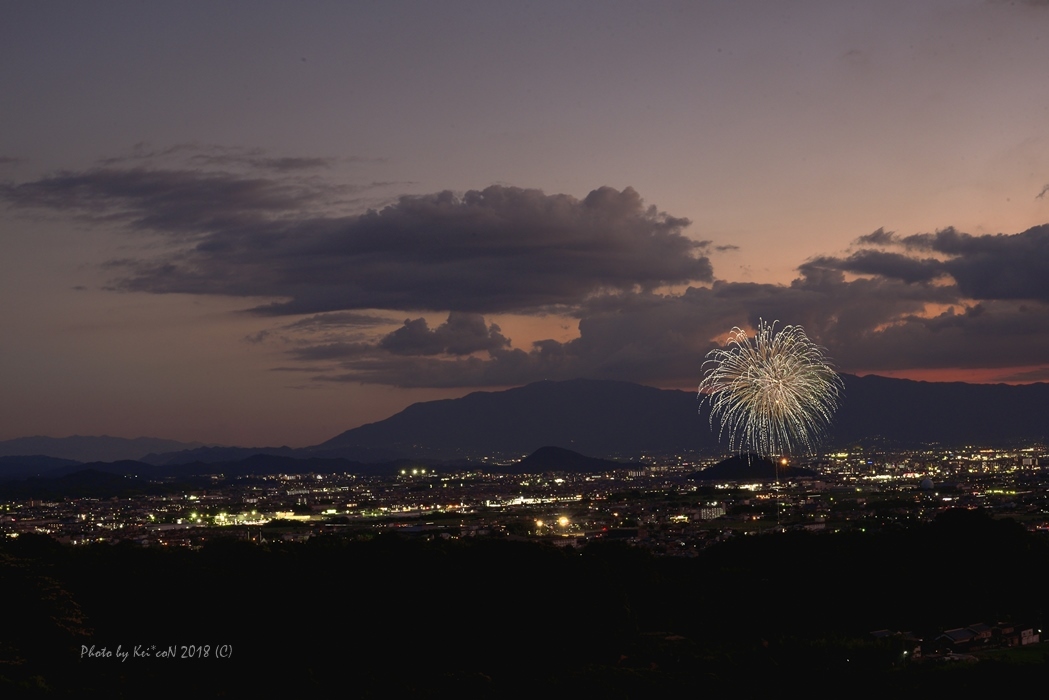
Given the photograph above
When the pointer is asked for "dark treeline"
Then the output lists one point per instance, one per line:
(367, 617)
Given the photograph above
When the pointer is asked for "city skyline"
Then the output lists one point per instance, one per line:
(258, 224)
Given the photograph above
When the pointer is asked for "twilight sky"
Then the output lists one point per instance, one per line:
(263, 223)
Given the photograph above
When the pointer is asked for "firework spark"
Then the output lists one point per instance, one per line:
(772, 393)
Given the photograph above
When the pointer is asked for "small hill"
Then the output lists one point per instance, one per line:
(210, 455)
(558, 459)
(750, 468)
(21, 466)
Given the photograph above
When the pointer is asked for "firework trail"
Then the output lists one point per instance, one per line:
(772, 393)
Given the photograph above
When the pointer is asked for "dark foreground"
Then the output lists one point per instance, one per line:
(495, 618)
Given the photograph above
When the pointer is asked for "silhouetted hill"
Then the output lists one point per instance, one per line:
(749, 468)
(908, 413)
(558, 459)
(210, 455)
(621, 419)
(219, 455)
(588, 416)
(21, 466)
(263, 464)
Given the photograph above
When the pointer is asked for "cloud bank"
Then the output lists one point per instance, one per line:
(501, 249)
(351, 289)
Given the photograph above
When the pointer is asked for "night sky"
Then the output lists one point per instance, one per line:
(263, 223)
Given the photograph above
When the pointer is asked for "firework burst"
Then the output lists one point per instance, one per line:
(771, 394)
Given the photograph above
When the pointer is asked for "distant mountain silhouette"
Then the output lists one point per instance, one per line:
(589, 416)
(749, 468)
(619, 419)
(210, 455)
(558, 459)
(909, 413)
(121, 467)
(84, 448)
(215, 455)
(612, 420)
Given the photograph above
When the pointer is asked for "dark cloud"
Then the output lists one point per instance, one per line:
(873, 323)
(264, 163)
(662, 340)
(726, 247)
(143, 151)
(9, 160)
(461, 334)
(878, 237)
(645, 337)
(993, 266)
(342, 351)
(339, 319)
(876, 262)
(173, 202)
(1013, 3)
(210, 155)
(299, 368)
(1001, 266)
(502, 249)
(266, 232)
(991, 334)
(1041, 194)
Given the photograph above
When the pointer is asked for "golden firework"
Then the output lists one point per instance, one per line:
(771, 393)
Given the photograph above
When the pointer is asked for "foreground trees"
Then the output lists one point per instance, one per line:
(495, 617)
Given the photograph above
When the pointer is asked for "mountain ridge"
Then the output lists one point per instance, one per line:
(615, 419)
(91, 448)
(609, 419)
